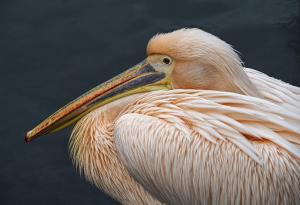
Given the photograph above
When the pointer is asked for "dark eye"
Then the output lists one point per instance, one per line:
(166, 60)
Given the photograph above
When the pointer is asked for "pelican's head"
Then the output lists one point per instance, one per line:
(185, 58)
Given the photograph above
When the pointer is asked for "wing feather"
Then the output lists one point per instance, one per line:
(187, 146)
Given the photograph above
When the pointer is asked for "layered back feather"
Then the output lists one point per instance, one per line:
(277, 91)
(225, 116)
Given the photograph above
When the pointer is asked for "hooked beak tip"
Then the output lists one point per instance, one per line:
(27, 137)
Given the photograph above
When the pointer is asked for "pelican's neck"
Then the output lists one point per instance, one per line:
(92, 142)
(92, 149)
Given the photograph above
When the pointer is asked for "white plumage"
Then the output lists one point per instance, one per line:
(191, 146)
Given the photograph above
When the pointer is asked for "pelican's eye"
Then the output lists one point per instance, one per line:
(166, 60)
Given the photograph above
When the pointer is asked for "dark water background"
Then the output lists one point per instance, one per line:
(52, 51)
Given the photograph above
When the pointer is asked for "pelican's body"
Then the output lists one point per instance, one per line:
(183, 171)
(219, 134)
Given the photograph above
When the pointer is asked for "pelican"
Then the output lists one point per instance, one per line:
(187, 125)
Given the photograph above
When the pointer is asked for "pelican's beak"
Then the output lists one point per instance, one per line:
(140, 78)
